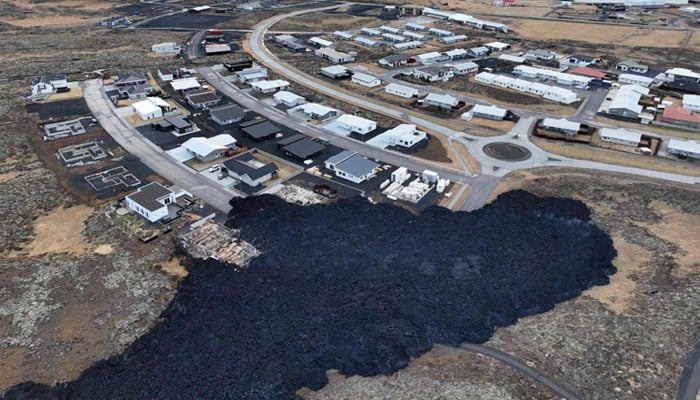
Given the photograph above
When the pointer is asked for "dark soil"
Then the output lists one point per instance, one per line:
(351, 286)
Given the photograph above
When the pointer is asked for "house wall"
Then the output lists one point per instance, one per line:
(399, 93)
(684, 153)
(618, 141)
(373, 83)
(352, 178)
(151, 216)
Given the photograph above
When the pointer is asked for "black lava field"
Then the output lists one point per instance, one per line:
(352, 286)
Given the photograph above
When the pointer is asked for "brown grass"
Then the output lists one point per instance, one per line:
(73, 93)
(617, 295)
(9, 175)
(473, 165)
(50, 21)
(683, 230)
(651, 128)
(175, 268)
(655, 38)
(60, 232)
(546, 30)
(613, 157)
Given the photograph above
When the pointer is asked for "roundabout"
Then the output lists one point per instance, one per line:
(507, 151)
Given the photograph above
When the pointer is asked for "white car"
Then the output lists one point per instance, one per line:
(214, 168)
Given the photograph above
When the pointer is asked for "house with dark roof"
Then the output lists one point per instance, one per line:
(300, 146)
(136, 92)
(249, 170)
(492, 64)
(155, 201)
(351, 166)
(180, 125)
(137, 78)
(394, 60)
(202, 99)
(49, 84)
(581, 60)
(260, 129)
(226, 114)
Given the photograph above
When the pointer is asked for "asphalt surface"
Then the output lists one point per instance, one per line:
(149, 154)
(520, 366)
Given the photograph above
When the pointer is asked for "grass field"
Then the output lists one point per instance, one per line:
(616, 157)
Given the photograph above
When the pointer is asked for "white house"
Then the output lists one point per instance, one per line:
(538, 88)
(489, 112)
(183, 84)
(393, 61)
(343, 35)
(478, 51)
(691, 102)
(502, 81)
(414, 26)
(464, 68)
(625, 101)
(146, 110)
(166, 47)
(520, 85)
(370, 32)
(456, 54)
(151, 201)
(404, 135)
(49, 84)
(393, 38)
(429, 58)
(540, 54)
(497, 46)
(335, 72)
(433, 73)
(269, 86)
(209, 149)
(252, 74)
(581, 60)
(366, 80)
(512, 58)
(562, 125)
(684, 73)
(414, 35)
(351, 166)
(334, 56)
(366, 41)
(315, 111)
(453, 39)
(620, 136)
(401, 90)
(685, 148)
(288, 99)
(440, 32)
(390, 29)
(485, 77)
(318, 42)
(632, 66)
(356, 124)
(632, 79)
(561, 95)
(413, 44)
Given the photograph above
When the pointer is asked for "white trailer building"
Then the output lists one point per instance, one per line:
(691, 102)
(441, 100)
(620, 136)
(269, 86)
(356, 124)
(633, 79)
(561, 95)
(146, 110)
(401, 90)
(366, 80)
(404, 135)
(413, 44)
(319, 42)
(684, 148)
(166, 47)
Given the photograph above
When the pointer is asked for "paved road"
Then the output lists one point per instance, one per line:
(689, 388)
(149, 154)
(521, 367)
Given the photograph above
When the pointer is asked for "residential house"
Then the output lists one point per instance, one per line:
(414, 35)
(250, 170)
(184, 84)
(540, 54)
(154, 201)
(300, 147)
(355, 124)
(620, 136)
(49, 84)
(581, 60)
(334, 56)
(269, 86)
(430, 58)
(497, 46)
(319, 42)
(343, 35)
(366, 41)
(394, 60)
(632, 66)
(404, 135)
(315, 111)
(227, 114)
(136, 92)
(114, 22)
(440, 32)
(632, 79)
(433, 73)
(252, 74)
(146, 110)
(453, 39)
(464, 67)
(137, 78)
(351, 166)
(336, 72)
(684, 148)
(393, 38)
(401, 90)
(441, 100)
(691, 102)
(202, 99)
(489, 112)
(209, 149)
(370, 32)
(288, 99)
(479, 51)
(366, 80)
(389, 29)
(456, 54)
(260, 129)
(625, 101)
(680, 116)
(561, 125)
(561, 95)
(413, 44)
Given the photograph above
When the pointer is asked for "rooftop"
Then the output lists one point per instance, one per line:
(147, 196)
(226, 112)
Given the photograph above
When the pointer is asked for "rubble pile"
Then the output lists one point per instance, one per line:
(212, 240)
(351, 286)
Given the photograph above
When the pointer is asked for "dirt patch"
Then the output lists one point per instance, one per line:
(682, 229)
(60, 232)
(174, 267)
(9, 175)
(103, 249)
(616, 295)
(50, 21)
